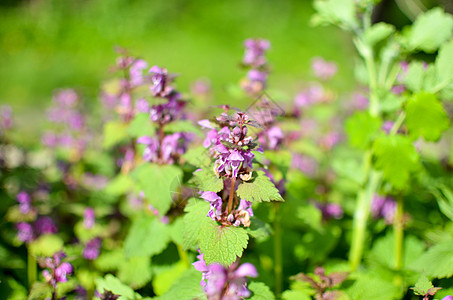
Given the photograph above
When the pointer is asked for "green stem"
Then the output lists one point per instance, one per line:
(398, 228)
(32, 268)
(183, 255)
(361, 214)
(278, 265)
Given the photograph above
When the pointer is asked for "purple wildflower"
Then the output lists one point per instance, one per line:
(6, 117)
(359, 102)
(387, 126)
(447, 297)
(305, 164)
(45, 225)
(254, 52)
(225, 283)
(142, 106)
(25, 232)
(383, 207)
(271, 138)
(89, 218)
(136, 72)
(323, 69)
(159, 81)
(24, 202)
(56, 270)
(92, 249)
(330, 210)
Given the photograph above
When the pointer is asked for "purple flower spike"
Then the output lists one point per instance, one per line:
(45, 225)
(25, 232)
(24, 202)
(89, 218)
(56, 270)
(92, 249)
(159, 80)
(142, 106)
(254, 52)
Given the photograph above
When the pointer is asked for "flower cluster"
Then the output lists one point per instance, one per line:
(255, 60)
(383, 207)
(56, 270)
(330, 210)
(225, 283)
(72, 133)
(164, 148)
(323, 69)
(92, 249)
(34, 226)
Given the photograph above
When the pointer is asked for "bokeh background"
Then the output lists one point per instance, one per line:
(50, 44)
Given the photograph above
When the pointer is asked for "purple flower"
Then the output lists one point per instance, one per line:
(330, 140)
(201, 87)
(254, 52)
(271, 138)
(215, 202)
(359, 102)
(92, 249)
(447, 297)
(45, 225)
(398, 89)
(56, 270)
(142, 106)
(323, 70)
(152, 147)
(136, 72)
(25, 232)
(330, 210)
(6, 117)
(24, 202)
(305, 164)
(383, 207)
(200, 266)
(89, 218)
(226, 283)
(66, 98)
(387, 126)
(159, 81)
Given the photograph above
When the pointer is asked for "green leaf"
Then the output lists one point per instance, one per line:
(259, 188)
(444, 197)
(413, 79)
(147, 236)
(141, 125)
(444, 65)
(177, 231)
(422, 286)
(159, 182)
(260, 291)
(165, 276)
(206, 180)
(136, 271)
(182, 126)
(425, 116)
(281, 159)
(46, 245)
(437, 261)
(222, 244)
(259, 230)
(119, 185)
(109, 261)
(198, 157)
(84, 234)
(187, 287)
(361, 128)
(40, 290)
(337, 12)
(371, 287)
(114, 133)
(396, 157)
(378, 32)
(430, 30)
(114, 285)
(194, 222)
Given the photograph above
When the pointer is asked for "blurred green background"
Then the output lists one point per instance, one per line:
(49, 44)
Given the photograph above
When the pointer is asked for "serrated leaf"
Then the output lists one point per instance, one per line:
(206, 180)
(430, 30)
(187, 287)
(182, 126)
(46, 245)
(147, 236)
(136, 271)
(338, 12)
(194, 222)
(40, 290)
(222, 244)
(426, 117)
(362, 128)
(259, 188)
(437, 261)
(396, 157)
(114, 133)
(422, 286)
(260, 291)
(444, 65)
(378, 32)
(114, 285)
(371, 287)
(141, 125)
(197, 156)
(159, 182)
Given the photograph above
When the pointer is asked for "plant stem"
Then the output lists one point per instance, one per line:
(230, 199)
(278, 265)
(361, 214)
(398, 228)
(31, 268)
